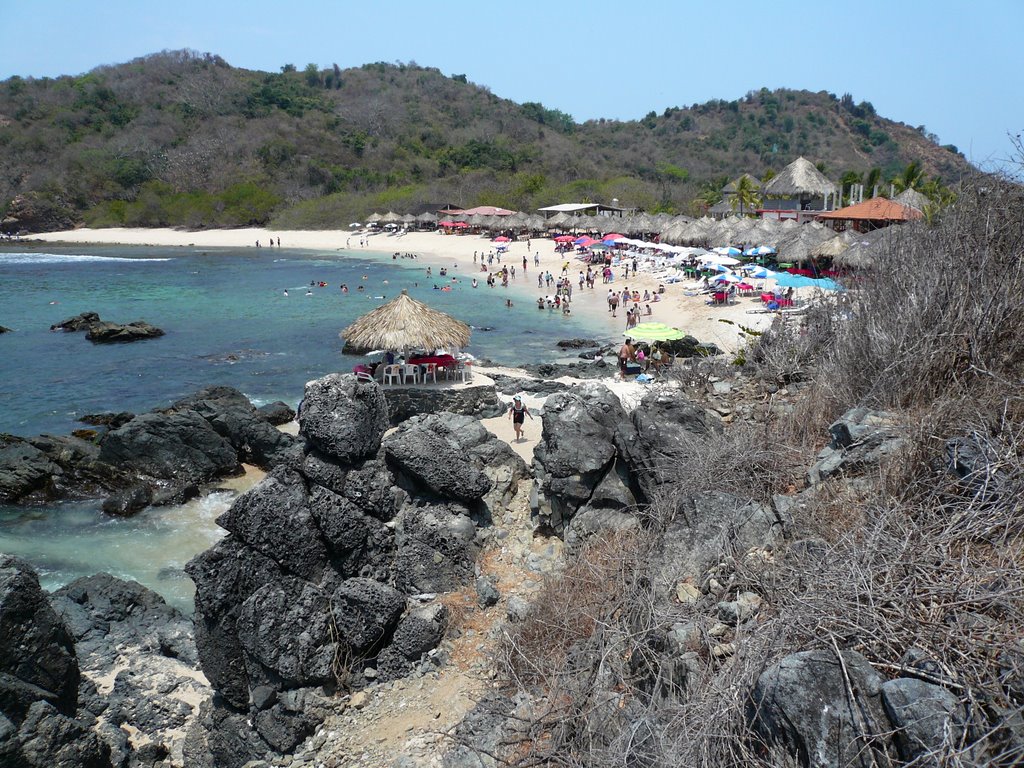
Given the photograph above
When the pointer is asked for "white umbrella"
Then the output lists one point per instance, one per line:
(355, 224)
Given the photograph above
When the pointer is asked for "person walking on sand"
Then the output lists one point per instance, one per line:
(518, 413)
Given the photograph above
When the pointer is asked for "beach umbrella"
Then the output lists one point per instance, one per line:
(612, 236)
(501, 239)
(761, 273)
(405, 322)
(727, 250)
(651, 332)
(586, 242)
(355, 224)
(564, 239)
(761, 250)
(599, 247)
(728, 277)
(579, 240)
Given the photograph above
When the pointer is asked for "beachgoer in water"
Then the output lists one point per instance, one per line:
(285, 291)
(257, 243)
(508, 303)
(518, 413)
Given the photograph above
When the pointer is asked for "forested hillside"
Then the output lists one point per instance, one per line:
(181, 138)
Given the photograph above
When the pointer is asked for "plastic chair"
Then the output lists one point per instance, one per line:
(429, 372)
(364, 376)
(465, 372)
(393, 374)
(411, 371)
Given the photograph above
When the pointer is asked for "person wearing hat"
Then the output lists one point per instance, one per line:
(518, 413)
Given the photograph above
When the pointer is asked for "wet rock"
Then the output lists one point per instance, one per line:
(117, 333)
(277, 413)
(576, 343)
(77, 323)
(129, 501)
(24, 469)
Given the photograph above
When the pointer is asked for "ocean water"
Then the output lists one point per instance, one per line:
(227, 321)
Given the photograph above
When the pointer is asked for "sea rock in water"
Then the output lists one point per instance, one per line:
(37, 652)
(277, 413)
(77, 323)
(4, 329)
(803, 704)
(577, 343)
(343, 417)
(109, 333)
(181, 446)
(24, 469)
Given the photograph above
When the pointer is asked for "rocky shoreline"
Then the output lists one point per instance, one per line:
(376, 566)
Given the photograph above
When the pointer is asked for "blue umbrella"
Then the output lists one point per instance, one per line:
(727, 251)
(761, 273)
(580, 239)
(788, 280)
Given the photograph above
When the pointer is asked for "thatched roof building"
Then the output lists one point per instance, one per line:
(799, 178)
(911, 198)
(405, 323)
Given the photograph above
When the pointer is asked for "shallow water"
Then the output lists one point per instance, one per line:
(227, 322)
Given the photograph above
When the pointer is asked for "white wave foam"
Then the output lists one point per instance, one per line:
(65, 258)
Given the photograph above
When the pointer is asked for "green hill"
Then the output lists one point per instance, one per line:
(180, 138)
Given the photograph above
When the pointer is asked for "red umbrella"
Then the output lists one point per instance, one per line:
(613, 236)
(564, 239)
(502, 239)
(459, 224)
(445, 223)
(586, 242)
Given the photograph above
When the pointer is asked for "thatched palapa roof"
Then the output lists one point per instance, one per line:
(912, 198)
(405, 322)
(799, 178)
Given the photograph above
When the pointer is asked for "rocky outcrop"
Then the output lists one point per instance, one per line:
(860, 439)
(118, 333)
(479, 400)
(37, 654)
(103, 332)
(333, 541)
(36, 212)
(156, 458)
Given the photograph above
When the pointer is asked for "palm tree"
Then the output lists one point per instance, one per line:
(911, 177)
(848, 179)
(747, 195)
(873, 180)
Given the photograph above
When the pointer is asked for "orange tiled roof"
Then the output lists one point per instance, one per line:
(875, 209)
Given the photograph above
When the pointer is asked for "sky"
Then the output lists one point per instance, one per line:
(951, 66)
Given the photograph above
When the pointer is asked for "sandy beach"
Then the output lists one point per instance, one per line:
(689, 313)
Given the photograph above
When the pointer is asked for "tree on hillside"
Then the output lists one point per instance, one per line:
(312, 73)
(747, 196)
(874, 178)
(848, 179)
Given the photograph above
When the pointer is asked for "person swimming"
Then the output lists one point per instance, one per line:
(285, 291)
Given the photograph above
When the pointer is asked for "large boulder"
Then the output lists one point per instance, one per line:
(24, 469)
(430, 453)
(37, 652)
(343, 417)
(274, 518)
(576, 449)
(666, 429)
(359, 545)
(115, 333)
(249, 431)
(436, 548)
(927, 717)
(824, 710)
(79, 322)
(48, 738)
(365, 614)
(285, 630)
(226, 575)
(417, 633)
(178, 446)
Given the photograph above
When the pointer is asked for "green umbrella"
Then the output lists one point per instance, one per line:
(650, 332)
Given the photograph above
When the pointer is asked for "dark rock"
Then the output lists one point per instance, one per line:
(285, 630)
(110, 420)
(47, 739)
(225, 576)
(576, 448)
(436, 548)
(277, 413)
(24, 469)
(343, 417)
(666, 431)
(977, 461)
(352, 349)
(284, 729)
(804, 705)
(359, 545)
(113, 333)
(511, 385)
(179, 446)
(274, 518)
(222, 738)
(372, 488)
(479, 400)
(685, 347)
(230, 413)
(430, 453)
(77, 323)
(576, 343)
(365, 613)
(129, 501)
(324, 471)
(174, 493)
(712, 526)
(4, 329)
(590, 522)
(37, 653)
(581, 370)
(926, 716)
(416, 634)
(486, 593)
(861, 439)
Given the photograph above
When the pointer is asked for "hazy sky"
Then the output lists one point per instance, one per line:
(952, 66)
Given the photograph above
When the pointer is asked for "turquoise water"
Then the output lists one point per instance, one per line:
(227, 321)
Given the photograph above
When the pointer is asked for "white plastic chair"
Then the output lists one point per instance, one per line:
(430, 372)
(411, 371)
(393, 374)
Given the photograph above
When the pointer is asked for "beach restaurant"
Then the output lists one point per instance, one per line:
(405, 325)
